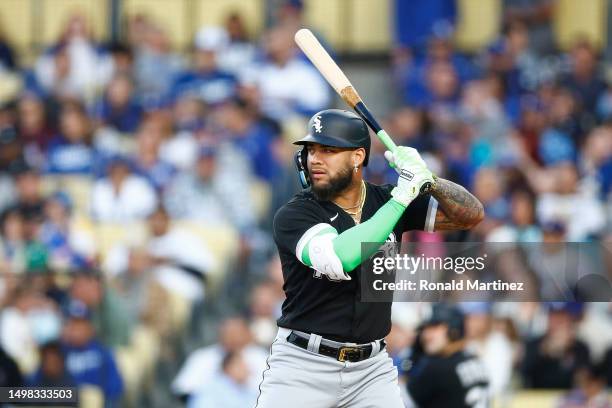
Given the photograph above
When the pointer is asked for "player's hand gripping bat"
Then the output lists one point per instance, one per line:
(336, 78)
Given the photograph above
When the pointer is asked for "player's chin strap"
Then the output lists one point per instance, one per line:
(300, 158)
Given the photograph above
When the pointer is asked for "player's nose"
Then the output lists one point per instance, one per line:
(314, 157)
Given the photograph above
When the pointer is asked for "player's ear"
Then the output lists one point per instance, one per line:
(358, 157)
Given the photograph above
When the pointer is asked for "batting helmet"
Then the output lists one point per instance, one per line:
(332, 127)
(451, 316)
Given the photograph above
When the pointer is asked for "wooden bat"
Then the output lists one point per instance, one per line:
(336, 78)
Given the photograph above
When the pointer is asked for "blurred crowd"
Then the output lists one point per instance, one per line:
(137, 185)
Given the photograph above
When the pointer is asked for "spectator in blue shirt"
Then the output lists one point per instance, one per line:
(119, 107)
(229, 389)
(417, 20)
(71, 151)
(87, 360)
(206, 80)
(148, 162)
(52, 371)
(255, 138)
(416, 70)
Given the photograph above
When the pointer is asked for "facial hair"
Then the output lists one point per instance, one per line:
(336, 185)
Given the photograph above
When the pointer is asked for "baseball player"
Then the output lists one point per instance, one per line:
(330, 349)
(443, 375)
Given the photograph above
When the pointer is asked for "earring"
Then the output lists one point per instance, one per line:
(356, 167)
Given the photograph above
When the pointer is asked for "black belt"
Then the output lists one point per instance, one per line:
(343, 353)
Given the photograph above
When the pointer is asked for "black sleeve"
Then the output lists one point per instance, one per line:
(420, 214)
(421, 385)
(293, 220)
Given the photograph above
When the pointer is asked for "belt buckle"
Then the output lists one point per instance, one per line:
(342, 357)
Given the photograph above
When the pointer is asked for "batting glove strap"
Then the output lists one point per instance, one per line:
(409, 184)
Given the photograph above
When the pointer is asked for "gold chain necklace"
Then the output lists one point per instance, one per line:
(360, 204)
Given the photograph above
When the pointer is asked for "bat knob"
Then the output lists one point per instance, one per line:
(425, 188)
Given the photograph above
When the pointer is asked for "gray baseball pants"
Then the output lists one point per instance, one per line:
(298, 378)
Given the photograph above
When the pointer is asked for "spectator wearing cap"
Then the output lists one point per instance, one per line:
(52, 370)
(207, 194)
(68, 245)
(229, 389)
(71, 151)
(119, 108)
(88, 361)
(287, 85)
(206, 81)
(105, 307)
(122, 196)
(552, 360)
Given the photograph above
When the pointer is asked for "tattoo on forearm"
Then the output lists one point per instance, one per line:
(460, 209)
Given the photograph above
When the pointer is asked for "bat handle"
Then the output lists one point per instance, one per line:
(386, 140)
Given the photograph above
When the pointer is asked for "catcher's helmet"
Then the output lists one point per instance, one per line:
(449, 315)
(332, 127)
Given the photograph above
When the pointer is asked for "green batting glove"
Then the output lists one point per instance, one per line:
(405, 158)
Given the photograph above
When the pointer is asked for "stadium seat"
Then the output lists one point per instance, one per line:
(479, 23)
(90, 396)
(110, 235)
(17, 24)
(580, 19)
(137, 361)
(376, 16)
(222, 242)
(328, 18)
(532, 399)
(77, 187)
(57, 12)
(175, 20)
(214, 13)
(179, 309)
(260, 196)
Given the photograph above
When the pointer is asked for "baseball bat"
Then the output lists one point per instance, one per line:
(332, 73)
